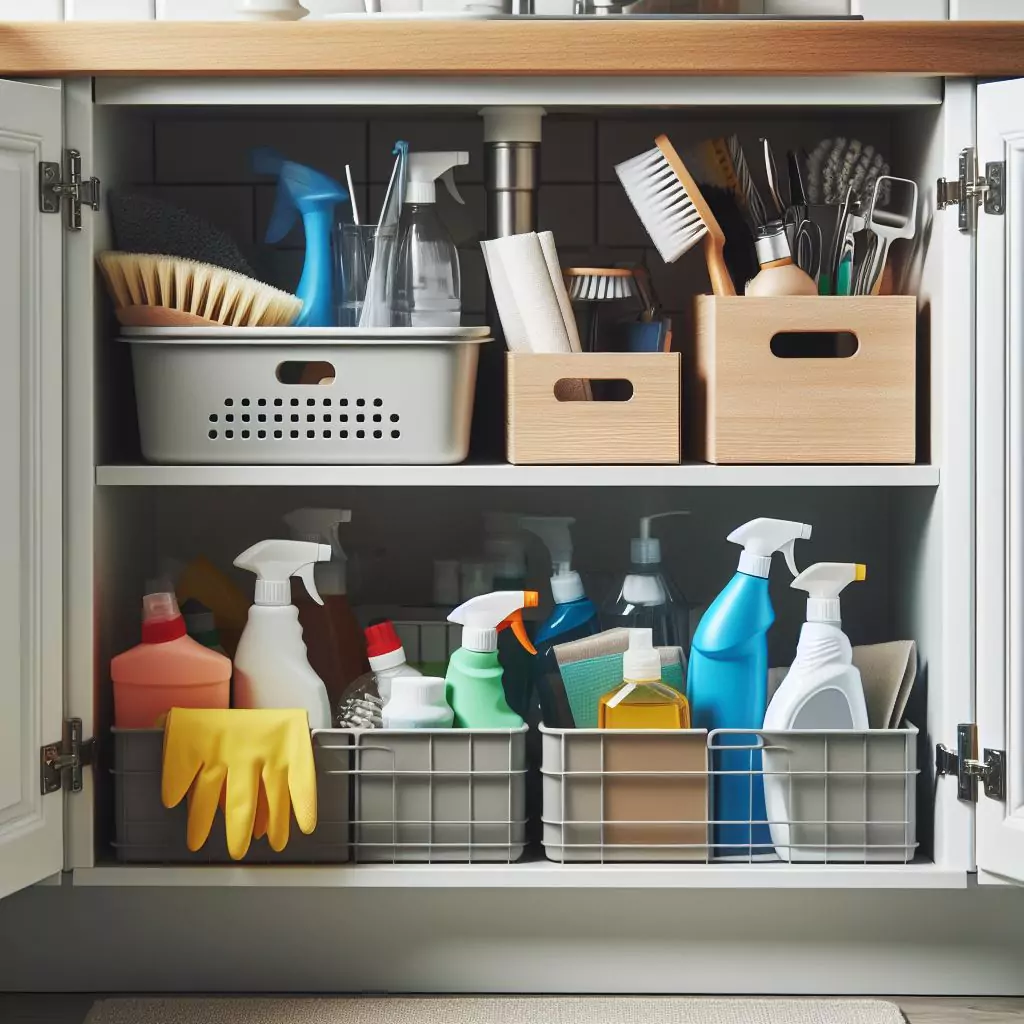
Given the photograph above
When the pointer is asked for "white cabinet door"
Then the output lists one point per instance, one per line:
(1000, 479)
(31, 523)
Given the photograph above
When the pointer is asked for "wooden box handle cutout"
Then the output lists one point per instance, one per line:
(814, 344)
(599, 389)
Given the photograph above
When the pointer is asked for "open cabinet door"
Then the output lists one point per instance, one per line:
(1000, 481)
(31, 473)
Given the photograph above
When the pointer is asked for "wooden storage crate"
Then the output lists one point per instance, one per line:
(750, 405)
(543, 428)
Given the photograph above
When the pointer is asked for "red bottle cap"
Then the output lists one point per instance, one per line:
(162, 631)
(381, 638)
(161, 620)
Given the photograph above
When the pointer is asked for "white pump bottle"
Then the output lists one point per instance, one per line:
(428, 286)
(271, 667)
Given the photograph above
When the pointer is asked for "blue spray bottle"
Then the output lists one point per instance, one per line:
(728, 683)
(301, 191)
(573, 617)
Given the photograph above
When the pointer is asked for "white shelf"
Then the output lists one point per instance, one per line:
(535, 875)
(553, 92)
(693, 475)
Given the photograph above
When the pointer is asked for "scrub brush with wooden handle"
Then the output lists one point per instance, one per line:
(672, 209)
(166, 291)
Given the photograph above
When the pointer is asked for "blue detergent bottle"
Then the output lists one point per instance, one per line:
(573, 617)
(727, 684)
(302, 191)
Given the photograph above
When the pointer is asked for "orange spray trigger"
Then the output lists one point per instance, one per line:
(515, 620)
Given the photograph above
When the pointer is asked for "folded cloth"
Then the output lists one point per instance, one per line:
(257, 764)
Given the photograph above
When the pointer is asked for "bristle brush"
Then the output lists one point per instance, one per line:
(673, 211)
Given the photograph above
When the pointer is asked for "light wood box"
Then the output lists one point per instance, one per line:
(543, 429)
(751, 406)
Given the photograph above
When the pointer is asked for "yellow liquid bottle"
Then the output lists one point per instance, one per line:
(642, 701)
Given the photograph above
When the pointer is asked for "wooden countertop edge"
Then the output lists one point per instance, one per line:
(511, 47)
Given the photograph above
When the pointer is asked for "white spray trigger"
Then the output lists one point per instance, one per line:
(306, 574)
(449, 181)
(789, 553)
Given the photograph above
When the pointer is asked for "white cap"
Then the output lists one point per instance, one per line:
(642, 662)
(567, 588)
(422, 691)
(426, 168)
(824, 582)
(761, 538)
(566, 585)
(390, 659)
(645, 549)
(275, 562)
(321, 525)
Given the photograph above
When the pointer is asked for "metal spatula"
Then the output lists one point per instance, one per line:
(898, 219)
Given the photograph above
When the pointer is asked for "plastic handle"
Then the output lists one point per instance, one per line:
(789, 553)
(515, 620)
(449, 181)
(306, 574)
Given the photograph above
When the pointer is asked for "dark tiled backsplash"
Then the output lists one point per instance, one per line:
(201, 162)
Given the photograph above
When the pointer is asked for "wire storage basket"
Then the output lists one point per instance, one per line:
(435, 795)
(649, 795)
(146, 832)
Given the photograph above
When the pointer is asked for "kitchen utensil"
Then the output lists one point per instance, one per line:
(772, 172)
(807, 248)
(827, 279)
(797, 192)
(672, 209)
(889, 221)
(165, 291)
(836, 164)
(750, 198)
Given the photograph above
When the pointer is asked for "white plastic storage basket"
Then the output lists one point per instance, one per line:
(435, 795)
(321, 396)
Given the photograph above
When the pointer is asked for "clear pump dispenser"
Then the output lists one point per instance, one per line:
(647, 597)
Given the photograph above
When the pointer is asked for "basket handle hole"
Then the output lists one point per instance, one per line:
(305, 372)
(575, 389)
(814, 344)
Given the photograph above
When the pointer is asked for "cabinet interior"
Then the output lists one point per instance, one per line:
(197, 157)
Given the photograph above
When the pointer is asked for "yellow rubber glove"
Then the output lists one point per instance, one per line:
(260, 760)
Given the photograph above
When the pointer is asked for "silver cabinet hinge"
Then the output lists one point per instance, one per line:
(970, 190)
(968, 769)
(57, 184)
(61, 763)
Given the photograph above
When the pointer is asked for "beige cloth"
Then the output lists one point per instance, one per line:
(504, 1010)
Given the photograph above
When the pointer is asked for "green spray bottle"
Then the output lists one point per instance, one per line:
(473, 683)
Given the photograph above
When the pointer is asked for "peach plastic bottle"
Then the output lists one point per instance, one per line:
(167, 670)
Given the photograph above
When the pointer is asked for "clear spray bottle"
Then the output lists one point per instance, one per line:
(428, 286)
